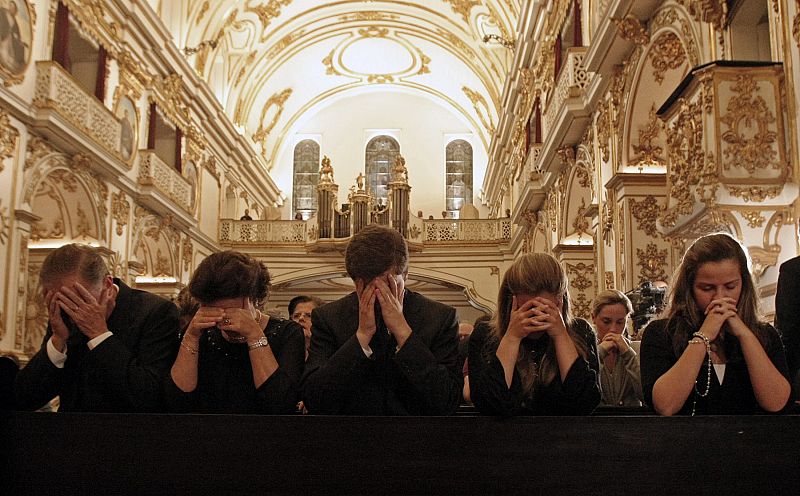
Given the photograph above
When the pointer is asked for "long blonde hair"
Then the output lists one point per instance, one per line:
(533, 274)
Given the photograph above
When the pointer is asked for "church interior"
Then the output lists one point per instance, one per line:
(610, 134)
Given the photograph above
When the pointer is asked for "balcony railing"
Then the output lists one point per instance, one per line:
(572, 81)
(284, 232)
(299, 233)
(154, 172)
(56, 89)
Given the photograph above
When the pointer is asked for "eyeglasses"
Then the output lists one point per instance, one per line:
(297, 315)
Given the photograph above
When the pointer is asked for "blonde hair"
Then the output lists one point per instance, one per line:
(610, 297)
(534, 274)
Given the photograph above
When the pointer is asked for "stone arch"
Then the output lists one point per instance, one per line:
(658, 69)
(155, 246)
(70, 200)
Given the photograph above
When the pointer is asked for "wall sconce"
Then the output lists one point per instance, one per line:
(499, 39)
(203, 44)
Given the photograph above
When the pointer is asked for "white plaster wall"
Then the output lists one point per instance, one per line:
(422, 128)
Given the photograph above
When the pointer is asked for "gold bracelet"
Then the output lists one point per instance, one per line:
(193, 351)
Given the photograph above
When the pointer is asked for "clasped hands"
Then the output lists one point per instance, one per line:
(388, 290)
(536, 315)
(614, 342)
(88, 313)
(718, 312)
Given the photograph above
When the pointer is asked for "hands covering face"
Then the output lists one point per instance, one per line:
(229, 319)
(87, 312)
(388, 290)
(537, 314)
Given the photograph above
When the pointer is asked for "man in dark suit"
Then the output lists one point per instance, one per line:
(382, 350)
(787, 317)
(107, 346)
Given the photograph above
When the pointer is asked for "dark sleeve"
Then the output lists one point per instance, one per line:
(487, 382)
(279, 393)
(136, 376)
(579, 393)
(40, 381)
(776, 352)
(786, 315)
(331, 374)
(434, 372)
(656, 356)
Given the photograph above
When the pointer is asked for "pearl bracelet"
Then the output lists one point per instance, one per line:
(193, 351)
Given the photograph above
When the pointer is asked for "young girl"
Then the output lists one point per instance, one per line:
(533, 358)
(712, 354)
(619, 363)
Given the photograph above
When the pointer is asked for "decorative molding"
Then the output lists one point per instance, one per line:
(648, 154)
(755, 194)
(631, 29)
(609, 279)
(267, 11)
(463, 7)
(277, 100)
(646, 213)
(754, 218)
(652, 262)
(37, 149)
(186, 252)
(481, 108)
(749, 151)
(8, 138)
(667, 53)
(120, 210)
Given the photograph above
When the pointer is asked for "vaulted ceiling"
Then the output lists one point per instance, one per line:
(272, 62)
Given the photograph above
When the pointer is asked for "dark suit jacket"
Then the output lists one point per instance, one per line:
(423, 378)
(787, 316)
(124, 373)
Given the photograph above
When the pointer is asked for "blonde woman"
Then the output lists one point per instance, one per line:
(713, 354)
(620, 382)
(533, 358)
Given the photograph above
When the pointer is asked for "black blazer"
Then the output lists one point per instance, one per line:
(124, 373)
(787, 316)
(423, 378)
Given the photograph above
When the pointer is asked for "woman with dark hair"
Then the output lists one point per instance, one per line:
(233, 358)
(533, 358)
(713, 354)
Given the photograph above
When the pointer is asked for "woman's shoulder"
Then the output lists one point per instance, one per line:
(584, 329)
(279, 325)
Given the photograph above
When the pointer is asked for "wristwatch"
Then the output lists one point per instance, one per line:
(262, 341)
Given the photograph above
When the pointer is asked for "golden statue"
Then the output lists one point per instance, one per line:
(400, 170)
(360, 181)
(326, 171)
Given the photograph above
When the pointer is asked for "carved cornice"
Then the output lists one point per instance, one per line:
(277, 100)
(8, 138)
(630, 28)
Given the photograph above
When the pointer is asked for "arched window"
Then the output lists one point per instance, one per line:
(458, 176)
(306, 175)
(380, 156)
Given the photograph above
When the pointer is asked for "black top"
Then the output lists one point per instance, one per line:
(225, 375)
(124, 373)
(786, 317)
(578, 394)
(734, 397)
(423, 378)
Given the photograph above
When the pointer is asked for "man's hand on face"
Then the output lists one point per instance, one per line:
(390, 292)
(86, 311)
(366, 312)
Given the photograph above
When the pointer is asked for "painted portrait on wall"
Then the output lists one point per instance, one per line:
(126, 111)
(16, 33)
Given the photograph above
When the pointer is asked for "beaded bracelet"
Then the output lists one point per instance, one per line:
(193, 351)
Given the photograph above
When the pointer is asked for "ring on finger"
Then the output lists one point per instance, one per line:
(226, 321)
